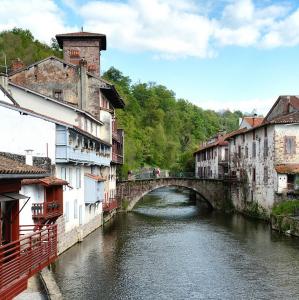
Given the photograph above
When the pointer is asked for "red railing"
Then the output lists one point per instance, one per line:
(21, 259)
(108, 206)
(47, 210)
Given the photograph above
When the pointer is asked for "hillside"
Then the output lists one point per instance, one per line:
(160, 130)
(19, 43)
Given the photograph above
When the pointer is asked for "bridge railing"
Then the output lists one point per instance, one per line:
(187, 175)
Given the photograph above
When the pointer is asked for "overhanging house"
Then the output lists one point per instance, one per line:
(24, 250)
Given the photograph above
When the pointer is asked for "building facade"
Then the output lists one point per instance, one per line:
(73, 119)
(263, 157)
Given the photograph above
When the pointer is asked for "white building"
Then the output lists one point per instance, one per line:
(211, 160)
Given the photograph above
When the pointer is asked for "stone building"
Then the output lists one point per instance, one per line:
(263, 156)
(211, 160)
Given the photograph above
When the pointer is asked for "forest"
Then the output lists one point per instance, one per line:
(160, 129)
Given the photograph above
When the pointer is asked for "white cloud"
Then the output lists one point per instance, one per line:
(168, 28)
(262, 106)
(43, 18)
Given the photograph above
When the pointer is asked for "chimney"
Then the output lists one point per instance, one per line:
(29, 157)
(16, 65)
(83, 84)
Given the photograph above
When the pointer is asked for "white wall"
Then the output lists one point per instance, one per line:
(21, 132)
(4, 98)
(36, 194)
(44, 106)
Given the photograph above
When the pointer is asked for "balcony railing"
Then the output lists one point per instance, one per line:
(21, 259)
(47, 210)
(109, 206)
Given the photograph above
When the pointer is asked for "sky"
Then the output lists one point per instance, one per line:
(217, 54)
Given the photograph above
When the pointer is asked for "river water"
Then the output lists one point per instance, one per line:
(169, 249)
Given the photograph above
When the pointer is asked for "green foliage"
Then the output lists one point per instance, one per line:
(161, 130)
(20, 43)
(286, 208)
(253, 209)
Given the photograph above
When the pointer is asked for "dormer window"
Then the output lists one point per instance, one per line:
(57, 94)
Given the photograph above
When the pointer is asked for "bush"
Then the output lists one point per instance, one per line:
(286, 208)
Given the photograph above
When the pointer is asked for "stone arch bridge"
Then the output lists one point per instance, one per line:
(215, 191)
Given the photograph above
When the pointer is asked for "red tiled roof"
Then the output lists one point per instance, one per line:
(254, 121)
(216, 143)
(48, 181)
(9, 166)
(95, 177)
(287, 168)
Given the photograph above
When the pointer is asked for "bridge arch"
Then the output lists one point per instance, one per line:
(212, 190)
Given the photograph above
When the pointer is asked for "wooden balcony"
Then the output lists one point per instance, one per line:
(111, 205)
(47, 210)
(23, 258)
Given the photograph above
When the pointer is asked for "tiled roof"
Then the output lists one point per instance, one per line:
(286, 119)
(254, 121)
(82, 34)
(235, 132)
(48, 181)
(216, 143)
(9, 166)
(95, 177)
(287, 168)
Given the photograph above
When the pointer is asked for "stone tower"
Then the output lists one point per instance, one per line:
(87, 45)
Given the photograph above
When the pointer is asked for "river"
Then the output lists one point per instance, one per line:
(168, 248)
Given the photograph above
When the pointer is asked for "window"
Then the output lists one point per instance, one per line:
(76, 209)
(266, 175)
(253, 175)
(290, 145)
(67, 211)
(246, 151)
(243, 138)
(57, 94)
(239, 151)
(78, 178)
(63, 173)
(265, 131)
(266, 150)
(254, 149)
(71, 176)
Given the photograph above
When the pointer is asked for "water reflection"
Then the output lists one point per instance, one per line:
(167, 249)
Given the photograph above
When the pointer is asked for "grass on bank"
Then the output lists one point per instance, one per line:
(289, 207)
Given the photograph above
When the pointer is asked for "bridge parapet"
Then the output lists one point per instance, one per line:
(215, 191)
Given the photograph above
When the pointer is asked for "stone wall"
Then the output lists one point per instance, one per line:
(49, 76)
(77, 234)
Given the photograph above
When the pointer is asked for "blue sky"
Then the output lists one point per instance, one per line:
(218, 54)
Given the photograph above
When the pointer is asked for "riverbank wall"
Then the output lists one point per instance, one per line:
(67, 239)
(288, 225)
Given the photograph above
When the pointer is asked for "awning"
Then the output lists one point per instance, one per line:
(287, 168)
(95, 177)
(11, 197)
